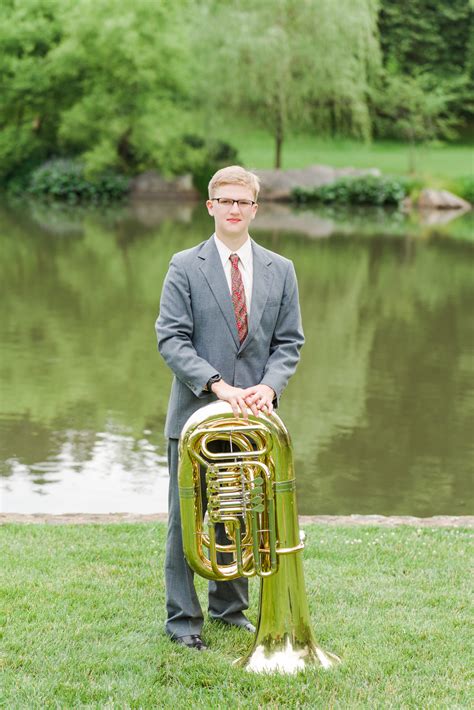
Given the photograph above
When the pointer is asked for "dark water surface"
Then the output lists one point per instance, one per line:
(380, 410)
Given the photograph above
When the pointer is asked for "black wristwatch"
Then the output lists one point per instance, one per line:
(214, 378)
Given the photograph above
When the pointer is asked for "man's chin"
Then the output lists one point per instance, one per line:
(234, 231)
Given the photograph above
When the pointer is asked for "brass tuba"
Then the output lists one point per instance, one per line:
(250, 488)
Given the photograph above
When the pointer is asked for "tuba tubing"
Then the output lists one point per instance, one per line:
(251, 490)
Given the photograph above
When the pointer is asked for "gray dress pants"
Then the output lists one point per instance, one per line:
(227, 600)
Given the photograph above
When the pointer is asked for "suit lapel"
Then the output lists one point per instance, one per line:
(211, 267)
(262, 281)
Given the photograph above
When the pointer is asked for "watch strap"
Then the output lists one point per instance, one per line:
(211, 381)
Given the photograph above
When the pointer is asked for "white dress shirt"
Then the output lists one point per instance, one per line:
(245, 266)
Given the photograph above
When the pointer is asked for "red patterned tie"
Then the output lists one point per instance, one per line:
(238, 297)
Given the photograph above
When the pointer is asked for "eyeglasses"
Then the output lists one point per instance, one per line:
(228, 203)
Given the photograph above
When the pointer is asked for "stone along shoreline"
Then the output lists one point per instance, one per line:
(436, 521)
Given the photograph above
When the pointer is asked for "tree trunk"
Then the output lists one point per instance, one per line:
(278, 141)
(278, 144)
(412, 156)
(412, 159)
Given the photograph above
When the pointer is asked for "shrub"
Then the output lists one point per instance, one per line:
(215, 155)
(464, 187)
(365, 190)
(65, 179)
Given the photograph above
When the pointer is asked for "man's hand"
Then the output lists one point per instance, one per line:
(260, 397)
(236, 398)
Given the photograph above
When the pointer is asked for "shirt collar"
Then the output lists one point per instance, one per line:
(245, 252)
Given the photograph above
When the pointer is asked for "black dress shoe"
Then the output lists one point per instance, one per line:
(246, 625)
(193, 641)
(249, 627)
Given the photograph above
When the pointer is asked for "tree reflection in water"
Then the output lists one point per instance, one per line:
(380, 409)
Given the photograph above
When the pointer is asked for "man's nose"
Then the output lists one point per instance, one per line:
(235, 207)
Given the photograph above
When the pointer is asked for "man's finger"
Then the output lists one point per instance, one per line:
(254, 409)
(266, 406)
(252, 397)
(243, 408)
(251, 390)
(251, 405)
(233, 404)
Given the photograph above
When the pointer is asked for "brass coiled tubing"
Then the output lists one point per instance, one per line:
(244, 469)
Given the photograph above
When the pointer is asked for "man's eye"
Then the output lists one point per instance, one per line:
(226, 203)
(244, 203)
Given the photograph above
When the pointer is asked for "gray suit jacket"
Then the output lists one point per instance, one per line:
(197, 333)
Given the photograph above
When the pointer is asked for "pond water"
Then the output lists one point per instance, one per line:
(381, 407)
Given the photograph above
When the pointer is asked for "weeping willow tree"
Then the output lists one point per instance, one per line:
(291, 64)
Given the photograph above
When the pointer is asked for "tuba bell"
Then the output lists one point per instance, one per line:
(244, 468)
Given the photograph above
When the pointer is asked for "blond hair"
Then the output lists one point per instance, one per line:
(234, 175)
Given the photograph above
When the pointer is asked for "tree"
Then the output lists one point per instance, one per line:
(93, 80)
(421, 38)
(30, 102)
(131, 72)
(425, 35)
(292, 64)
(415, 109)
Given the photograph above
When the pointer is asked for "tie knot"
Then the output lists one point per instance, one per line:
(234, 260)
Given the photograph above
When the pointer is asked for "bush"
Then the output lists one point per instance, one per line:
(366, 190)
(215, 155)
(464, 187)
(64, 179)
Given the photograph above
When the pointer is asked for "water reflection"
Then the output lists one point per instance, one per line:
(99, 472)
(380, 409)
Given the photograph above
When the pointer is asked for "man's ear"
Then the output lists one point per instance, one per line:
(210, 207)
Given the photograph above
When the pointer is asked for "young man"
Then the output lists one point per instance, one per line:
(229, 328)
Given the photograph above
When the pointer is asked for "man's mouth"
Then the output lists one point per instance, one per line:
(233, 220)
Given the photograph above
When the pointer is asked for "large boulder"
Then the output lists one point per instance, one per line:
(441, 200)
(279, 184)
(152, 185)
(276, 217)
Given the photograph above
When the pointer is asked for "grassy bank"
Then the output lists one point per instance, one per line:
(83, 623)
(438, 163)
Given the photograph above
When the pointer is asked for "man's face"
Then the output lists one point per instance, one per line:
(232, 221)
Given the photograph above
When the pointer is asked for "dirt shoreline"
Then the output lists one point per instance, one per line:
(437, 521)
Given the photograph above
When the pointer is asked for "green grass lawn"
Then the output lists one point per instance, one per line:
(83, 612)
(436, 163)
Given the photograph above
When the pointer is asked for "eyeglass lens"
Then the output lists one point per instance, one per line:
(227, 202)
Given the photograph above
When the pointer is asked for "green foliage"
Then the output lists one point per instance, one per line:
(415, 108)
(30, 95)
(121, 87)
(131, 69)
(464, 187)
(366, 190)
(66, 180)
(216, 155)
(80, 78)
(433, 36)
(290, 65)
(430, 47)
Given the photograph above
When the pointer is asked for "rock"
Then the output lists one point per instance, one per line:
(279, 184)
(406, 204)
(276, 218)
(153, 212)
(152, 185)
(441, 200)
(431, 217)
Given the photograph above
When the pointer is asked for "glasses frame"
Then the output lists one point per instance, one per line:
(218, 200)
